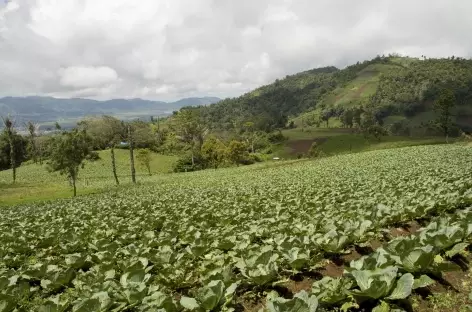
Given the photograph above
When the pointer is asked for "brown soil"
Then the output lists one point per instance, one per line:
(250, 306)
(414, 227)
(410, 228)
(303, 146)
(332, 270)
(297, 286)
(397, 232)
(375, 244)
(360, 91)
(353, 255)
(452, 294)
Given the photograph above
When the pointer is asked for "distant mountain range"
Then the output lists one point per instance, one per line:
(46, 110)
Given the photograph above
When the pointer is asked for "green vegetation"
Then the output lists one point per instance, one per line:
(382, 87)
(68, 154)
(177, 243)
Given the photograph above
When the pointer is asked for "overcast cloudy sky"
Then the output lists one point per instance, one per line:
(169, 49)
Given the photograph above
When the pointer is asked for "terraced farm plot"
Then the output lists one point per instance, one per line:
(203, 241)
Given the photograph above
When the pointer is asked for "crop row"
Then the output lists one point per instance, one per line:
(392, 272)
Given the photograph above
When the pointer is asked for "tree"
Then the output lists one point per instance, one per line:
(376, 130)
(325, 116)
(32, 131)
(213, 150)
(367, 120)
(237, 152)
(443, 107)
(249, 134)
(20, 150)
(189, 126)
(144, 159)
(10, 133)
(68, 152)
(347, 118)
(143, 135)
(357, 117)
(314, 150)
(42, 143)
(105, 132)
(131, 153)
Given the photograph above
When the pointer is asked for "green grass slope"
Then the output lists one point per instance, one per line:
(35, 182)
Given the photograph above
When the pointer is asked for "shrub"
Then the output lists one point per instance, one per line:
(276, 137)
(314, 150)
(184, 164)
(400, 127)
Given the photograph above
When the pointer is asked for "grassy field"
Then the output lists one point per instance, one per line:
(34, 182)
(247, 237)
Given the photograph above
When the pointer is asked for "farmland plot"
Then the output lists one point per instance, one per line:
(200, 241)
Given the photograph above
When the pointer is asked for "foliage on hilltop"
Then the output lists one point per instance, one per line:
(386, 86)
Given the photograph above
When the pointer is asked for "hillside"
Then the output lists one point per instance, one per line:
(397, 89)
(68, 111)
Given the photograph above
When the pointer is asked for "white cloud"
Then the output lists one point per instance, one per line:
(168, 49)
(86, 77)
(9, 8)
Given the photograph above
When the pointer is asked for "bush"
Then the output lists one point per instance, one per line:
(400, 127)
(93, 156)
(184, 164)
(257, 157)
(247, 161)
(276, 137)
(314, 150)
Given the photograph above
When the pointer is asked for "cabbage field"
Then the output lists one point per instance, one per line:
(212, 240)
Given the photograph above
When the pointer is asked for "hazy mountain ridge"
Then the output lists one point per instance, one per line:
(48, 109)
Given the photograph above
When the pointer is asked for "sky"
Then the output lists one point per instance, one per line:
(171, 49)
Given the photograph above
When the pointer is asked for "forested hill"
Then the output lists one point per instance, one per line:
(393, 88)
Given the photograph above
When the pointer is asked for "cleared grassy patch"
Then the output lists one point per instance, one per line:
(36, 183)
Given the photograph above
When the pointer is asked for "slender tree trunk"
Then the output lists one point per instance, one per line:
(33, 149)
(148, 167)
(12, 156)
(131, 155)
(40, 155)
(193, 153)
(113, 165)
(75, 187)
